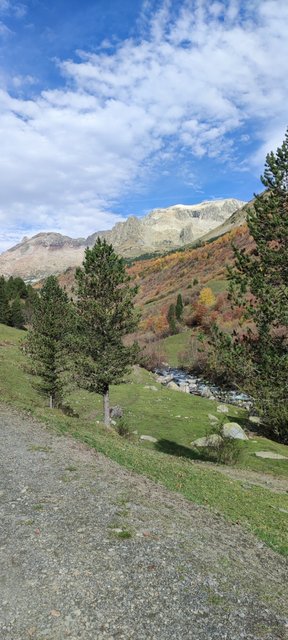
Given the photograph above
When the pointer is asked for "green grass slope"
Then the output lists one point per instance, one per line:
(175, 419)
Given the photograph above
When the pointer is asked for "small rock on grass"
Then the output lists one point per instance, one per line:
(209, 441)
(213, 418)
(270, 455)
(148, 438)
(222, 408)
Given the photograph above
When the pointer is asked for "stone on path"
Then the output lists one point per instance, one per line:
(210, 441)
(270, 455)
(222, 408)
(233, 430)
(148, 438)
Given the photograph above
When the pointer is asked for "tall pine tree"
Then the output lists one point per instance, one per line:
(106, 315)
(48, 340)
(4, 302)
(179, 308)
(257, 357)
(16, 315)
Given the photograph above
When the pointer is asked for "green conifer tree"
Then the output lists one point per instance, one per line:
(257, 357)
(106, 315)
(179, 308)
(48, 341)
(171, 319)
(4, 302)
(16, 315)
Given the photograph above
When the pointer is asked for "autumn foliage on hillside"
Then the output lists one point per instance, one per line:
(198, 274)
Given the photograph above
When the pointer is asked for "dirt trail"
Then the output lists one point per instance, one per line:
(91, 551)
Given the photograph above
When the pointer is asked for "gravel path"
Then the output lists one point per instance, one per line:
(68, 571)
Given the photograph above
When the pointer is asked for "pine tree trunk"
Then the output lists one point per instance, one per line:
(51, 402)
(106, 407)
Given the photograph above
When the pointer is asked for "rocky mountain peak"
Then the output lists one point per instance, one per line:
(162, 229)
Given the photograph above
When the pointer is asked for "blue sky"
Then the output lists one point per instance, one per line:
(109, 109)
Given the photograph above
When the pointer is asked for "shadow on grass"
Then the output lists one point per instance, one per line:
(174, 449)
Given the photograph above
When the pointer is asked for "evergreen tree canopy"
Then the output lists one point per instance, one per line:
(257, 356)
(14, 301)
(16, 313)
(4, 302)
(106, 315)
(48, 340)
(171, 319)
(179, 308)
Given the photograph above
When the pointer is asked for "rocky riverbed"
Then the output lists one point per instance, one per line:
(195, 385)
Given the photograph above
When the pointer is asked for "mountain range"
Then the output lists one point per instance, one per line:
(161, 230)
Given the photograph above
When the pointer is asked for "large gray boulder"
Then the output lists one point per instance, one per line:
(233, 430)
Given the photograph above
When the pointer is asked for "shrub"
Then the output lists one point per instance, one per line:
(152, 357)
(227, 450)
(122, 428)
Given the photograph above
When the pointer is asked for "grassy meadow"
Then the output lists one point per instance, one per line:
(175, 419)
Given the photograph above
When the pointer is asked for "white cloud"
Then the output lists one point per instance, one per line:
(4, 30)
(9, 7)
(188, 87)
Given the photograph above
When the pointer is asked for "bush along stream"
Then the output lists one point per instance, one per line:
(198, 386)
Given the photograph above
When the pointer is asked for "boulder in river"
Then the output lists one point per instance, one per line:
(184, 387)
(172, 385)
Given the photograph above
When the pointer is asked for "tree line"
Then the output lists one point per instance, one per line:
(81, 342)
(16, 302)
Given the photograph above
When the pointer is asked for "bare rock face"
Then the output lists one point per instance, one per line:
(40, 256)
(161, 230)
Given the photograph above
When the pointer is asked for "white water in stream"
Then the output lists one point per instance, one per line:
(200, 387)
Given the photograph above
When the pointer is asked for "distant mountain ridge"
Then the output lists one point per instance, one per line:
(161, 230)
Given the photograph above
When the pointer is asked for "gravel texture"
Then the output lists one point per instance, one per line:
(91, 551)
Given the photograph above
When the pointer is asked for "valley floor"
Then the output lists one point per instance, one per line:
(92, 551)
